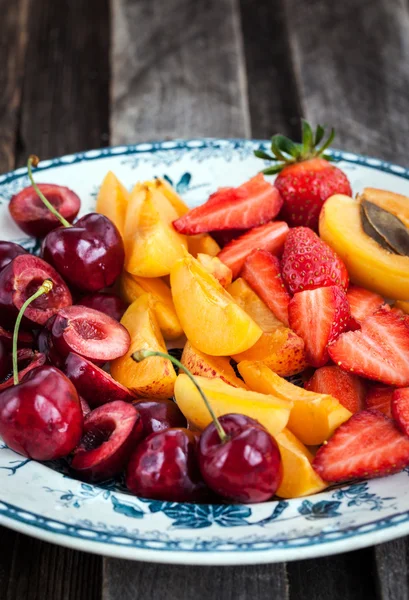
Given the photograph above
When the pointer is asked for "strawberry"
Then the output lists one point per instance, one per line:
(253, 203)
(308, 262)
(306, 178)
(262, 272)
(379, 397)
(319, 316)
(368, 445)
(379, 350)
(400, 409)
(362, 302)
(270, 236)
(348, 389)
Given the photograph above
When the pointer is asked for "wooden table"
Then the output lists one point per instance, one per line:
(78, 74)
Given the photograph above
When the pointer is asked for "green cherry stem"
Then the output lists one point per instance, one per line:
(33, 161)
(46, 287)
(142, 354)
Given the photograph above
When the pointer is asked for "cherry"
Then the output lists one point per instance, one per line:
(31, 214)
(5, 361)
(94, 384)
(110, 304)
(8, 251)
(25, 338)
(90, 333)
(159, 415)
(110, 434)
(27, 360)
(46, 346)
(85, 407)
(164, 466)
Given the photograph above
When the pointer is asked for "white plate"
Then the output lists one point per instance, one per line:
(42, 501)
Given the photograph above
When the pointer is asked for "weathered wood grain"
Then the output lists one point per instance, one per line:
(392, 570)
(177, 70)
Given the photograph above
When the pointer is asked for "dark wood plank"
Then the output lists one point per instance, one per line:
(8, 540)
(392, 569)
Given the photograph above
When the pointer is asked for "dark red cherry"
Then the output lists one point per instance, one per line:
(89, 333)
(41, 417)
(46, 346)
(110, 304)
(5, 361)
(110, 434)
(25, 339)
(164, 466)
(27, 360)
(244, 468)
(158, 415)
(8, 251)
(85, 407)
(94, 384)
(89, 255)
(19, 280)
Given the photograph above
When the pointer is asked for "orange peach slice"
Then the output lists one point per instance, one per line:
(202, 364)
(215, 267)
(171, 194)
(253, 305)
(402, 305)
(212, 321)
(202, 243)
(112, 200)
(154, 377)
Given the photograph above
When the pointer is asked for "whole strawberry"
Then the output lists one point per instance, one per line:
(308, 262)
(306, 179)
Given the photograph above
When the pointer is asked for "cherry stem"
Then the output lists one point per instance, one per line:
(140, 355)
(46, 287)
(33, 161)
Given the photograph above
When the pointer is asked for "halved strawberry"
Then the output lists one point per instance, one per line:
(308, 262)
(319, 316)
(348, 389)
(270, 236)
(368, 445)
(362, 302)
(379, 397)
(262, 272)
(400, 409)
(379, 350)
(253, 203)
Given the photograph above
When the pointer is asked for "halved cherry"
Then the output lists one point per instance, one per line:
(27, 360)
(19, 280)
(110, 434)
(89, 333)
(5, 361)
(33, 217)
(8, 251)
(110, 304)
(25, 338)
(85, 407)
(159, 415)
(94, 384)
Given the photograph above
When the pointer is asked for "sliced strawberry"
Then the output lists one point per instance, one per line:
(368, 445)
(400, 409)
(319, 316)
(253, 203)
(262, 272)
(362, 302)
(348, 389)
(270, 236)
(379, 397)
(379, 350)
(308, 262)
(225, 237)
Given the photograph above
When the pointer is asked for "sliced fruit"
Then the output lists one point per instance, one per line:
(270, 411)
(202, 243)
(379, 397)
(112, 200)
(217, 268)
(152, 246)
(314, 417)
(396, 204)
(270, 236)
(400, 409)
(171, 194)
(402, 305)
(319, 316)
(132, 287)
(202, 364)
(154, 377)
(347, 388)
(248, 205)
(369, 265)
(299, 478)
(253, 305)
(204, 308)
(379, 350)
(368, 445)
(263, 274)
(362, 302)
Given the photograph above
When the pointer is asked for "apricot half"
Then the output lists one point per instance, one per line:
(253, 305)
(368, 264)
(112, 200)
(202, 364)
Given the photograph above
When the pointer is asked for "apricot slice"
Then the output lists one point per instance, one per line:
(132, 287)
(171, 194)
(152, 246)
(212, 321)
(154, 377)
(402, 305)
(314, 417)
(215, 267)
(368, 264)
(299, 478)
(268, 410)
(396, 204)
(112, 200)
(253, 305)
(202, 364)
(202, 243)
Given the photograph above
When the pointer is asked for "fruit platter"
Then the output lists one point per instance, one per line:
(204, 350)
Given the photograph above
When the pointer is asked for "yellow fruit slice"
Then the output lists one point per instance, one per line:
(202, 364)
(215, 267)
(202, 243)
(112, 200)
(253, 305)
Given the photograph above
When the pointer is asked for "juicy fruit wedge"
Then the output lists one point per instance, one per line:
(152, 246)
(299, 478)
(154, 377)
(171, 194)
(215, 267)
(396, 204)
(132, 287)
(202, 243)
(253, 305)
(270, 411)
(112, 200)
(202, 364)
(212, 321)
(402, 305)
(368, 264)
(313, 418)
